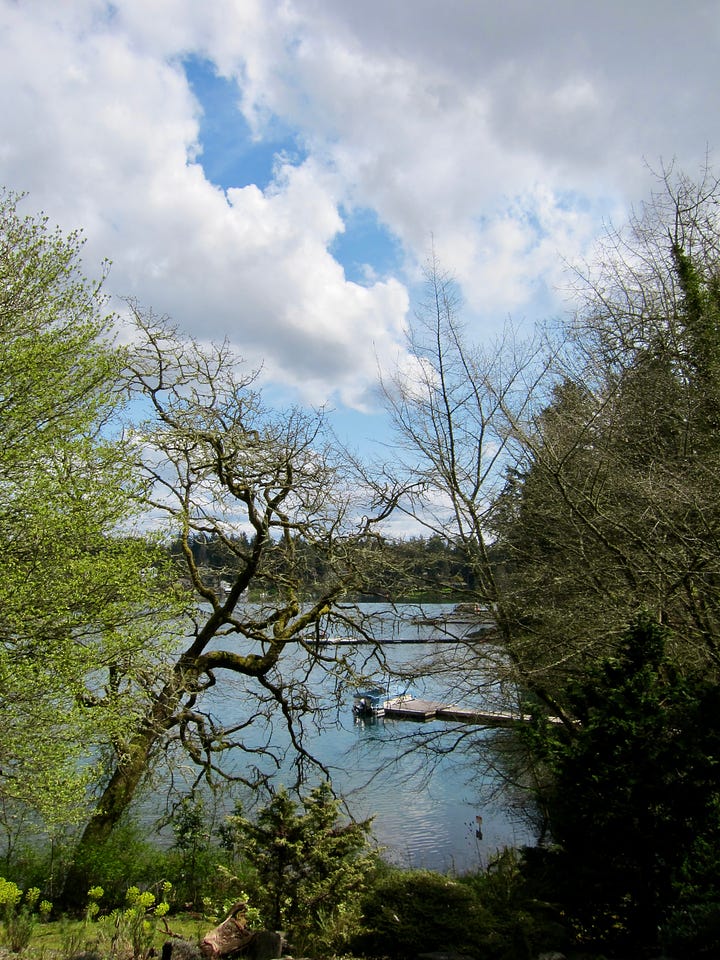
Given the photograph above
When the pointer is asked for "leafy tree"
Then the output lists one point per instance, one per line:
(311, 869)
(81, 597)
(582, 482)
(611, 507)
(577, 474)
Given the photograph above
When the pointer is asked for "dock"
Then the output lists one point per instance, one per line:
(411, 708)
(479, 636)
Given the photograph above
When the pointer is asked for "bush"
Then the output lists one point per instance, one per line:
(516, 892)
(693, 931)
(19, 913)
(407, 912)
(635, 802)
(493, 915)
(126, 856)
(311, 869)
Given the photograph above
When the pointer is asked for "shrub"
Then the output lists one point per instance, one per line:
(408, 912)
(130, 930)
(125, 855)
(311, 869)
(19, 913)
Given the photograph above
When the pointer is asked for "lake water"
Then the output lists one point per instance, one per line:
(417, 779)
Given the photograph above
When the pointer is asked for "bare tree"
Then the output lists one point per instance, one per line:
(579, 477)
(460, 415)
(613, 508)
(216, 464)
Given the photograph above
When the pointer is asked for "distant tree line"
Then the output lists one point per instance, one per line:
(416, 569)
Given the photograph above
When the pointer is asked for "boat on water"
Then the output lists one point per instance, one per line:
(369, 703)
(372, 702)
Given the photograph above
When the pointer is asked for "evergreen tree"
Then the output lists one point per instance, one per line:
(634, 801)
(311, 868)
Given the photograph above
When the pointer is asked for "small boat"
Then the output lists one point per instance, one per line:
(369, 703)
(372, 702)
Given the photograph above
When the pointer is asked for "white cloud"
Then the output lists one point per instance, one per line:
(121, 127)
(505, 131)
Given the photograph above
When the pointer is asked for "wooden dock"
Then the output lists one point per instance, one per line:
(399, 708)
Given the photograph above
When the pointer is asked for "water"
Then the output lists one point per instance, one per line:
(425, 797)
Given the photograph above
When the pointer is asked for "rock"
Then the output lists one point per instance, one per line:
(178, 949)
(265, 945)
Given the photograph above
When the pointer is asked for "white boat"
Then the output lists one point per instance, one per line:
(372, 702)
(369, 703)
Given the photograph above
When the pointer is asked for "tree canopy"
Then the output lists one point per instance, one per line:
(567, 484)
(81, 596)
(217, 462)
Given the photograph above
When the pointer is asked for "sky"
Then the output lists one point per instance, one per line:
(275, 172)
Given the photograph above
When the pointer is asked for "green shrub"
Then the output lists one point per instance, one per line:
(693, 931)
(20, 912)
(407, 912)
(311, 869)
(493, 915)
(125, 857)
(634, 801)
(517, 896)
(41, 862)
(130, 930)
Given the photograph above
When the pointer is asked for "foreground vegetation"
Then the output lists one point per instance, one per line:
(307, 871)
(301, 868)
(300, 871)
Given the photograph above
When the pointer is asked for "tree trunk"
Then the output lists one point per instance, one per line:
(117, 797)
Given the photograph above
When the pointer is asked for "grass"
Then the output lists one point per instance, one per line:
(61, 939)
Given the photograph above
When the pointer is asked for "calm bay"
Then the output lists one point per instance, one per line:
(426, 784)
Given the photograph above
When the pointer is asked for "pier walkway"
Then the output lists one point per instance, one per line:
(411, 708)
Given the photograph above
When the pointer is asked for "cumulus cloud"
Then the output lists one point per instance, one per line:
(504, 131)
(113, 147)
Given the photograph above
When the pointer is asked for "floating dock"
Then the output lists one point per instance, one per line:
(411, 708)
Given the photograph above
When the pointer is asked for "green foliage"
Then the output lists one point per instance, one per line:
(692, 931)
(634, 804)
(30, 860)
(20, 912)
(415, 569)
(202, 872)
(108, 866)
(130, 930)
(81, 598)
(311, 869)
(191, 839)
(522, 922)
(491, 915)
(408, 912)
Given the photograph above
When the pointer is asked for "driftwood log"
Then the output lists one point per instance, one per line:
(231, 938)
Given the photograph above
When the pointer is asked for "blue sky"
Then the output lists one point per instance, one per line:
(273, 171)
(230, 155)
